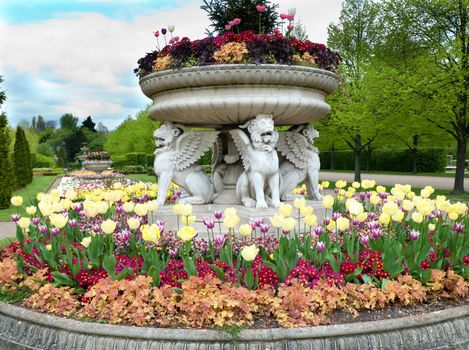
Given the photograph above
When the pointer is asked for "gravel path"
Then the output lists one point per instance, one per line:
(437, 182)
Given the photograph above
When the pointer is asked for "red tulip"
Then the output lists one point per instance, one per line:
(283, 16)
(157, 34)
(260, 8)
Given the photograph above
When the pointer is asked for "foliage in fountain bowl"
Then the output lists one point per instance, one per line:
(233, 48)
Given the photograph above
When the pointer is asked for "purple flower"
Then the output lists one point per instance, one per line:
(55, 231)
(36, 221)
(376, 232)
(163, 31)
(209, 223)
(457, 227)
(321, 246)
(124, 235)
(161, 225)
(414, 235)
(335, 216)
(96, 228)
(42, 229)
(218, 214)
(119, 210)
(318, 230)
(15, 218)
(219, 240)
(264, 228)
(364, 240)
(72, 223)
(362, 196)
(173, 253)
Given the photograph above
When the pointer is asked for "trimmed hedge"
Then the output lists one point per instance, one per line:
(429, 160)
(132, 159)
(42, 161)
(47, 171)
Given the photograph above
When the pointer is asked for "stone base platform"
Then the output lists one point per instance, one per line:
(246, 214)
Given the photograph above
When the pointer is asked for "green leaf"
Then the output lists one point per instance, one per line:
(109, 264)
(62, 279)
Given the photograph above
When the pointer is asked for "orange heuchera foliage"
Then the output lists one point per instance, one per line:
(32, 283)
(58, 301)
(120, 301)
(232, 52)
(406, 290)
(9, 274)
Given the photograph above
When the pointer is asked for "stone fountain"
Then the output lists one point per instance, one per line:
(254, 167)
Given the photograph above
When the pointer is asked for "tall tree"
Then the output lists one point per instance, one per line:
(22, 159)
(220, 12)
(89, 124)
(354, 37)
(40, 124)
(33, 123)
(6, 170)
(68, 121)
(440, 29)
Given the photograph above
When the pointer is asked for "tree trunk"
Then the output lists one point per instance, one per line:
(415, 153)
(357, 152)
(369, 150)
(460, 166)
(332, 156)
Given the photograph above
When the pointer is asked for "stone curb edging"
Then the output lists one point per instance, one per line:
(440, 329)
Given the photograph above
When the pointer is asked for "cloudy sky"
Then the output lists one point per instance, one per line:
(78, 56)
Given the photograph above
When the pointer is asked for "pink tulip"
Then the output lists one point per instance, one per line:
(231, 23)
(157, 34)
(227, 27)
(283, 16)
(290, 27)
(236, 21)
(260, 8)
(320, 246)
(290, 17)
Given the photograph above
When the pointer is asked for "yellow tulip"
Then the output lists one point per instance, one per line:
(340, 184)
(187, 233)
(103, 207)
(288, 224)
(31, 210)
(45, 207)
(71, 195)
(128, 206)
(277, 220)
(410, 194)
(141, 209)
(384, 219)
(299, 203)
(151, 233)
(249, 253)
(152, 205)
(231, 221)
(245, 230)
(285, 210)
(90, 208)
(390, 208)
(417, 217)
(374, 199)
(325, 184)
(16, 200)
(311, 220)
(356, 184)
(380, 189)
(58, 220)
(342, 223)
(407, 205)
(327, 201)
(108, 226)
(24, 223)
(133, 223)
(331, 225)
(39, 196)
(355, 208)
(398, 216)
(453, 216)
(362, 217)
(431, 227)
(49, 246)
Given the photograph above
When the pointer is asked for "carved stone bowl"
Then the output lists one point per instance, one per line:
(224, 95)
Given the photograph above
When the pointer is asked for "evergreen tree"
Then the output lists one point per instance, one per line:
(22, 159)
(89, 124)
(40, 123)
(6, 171)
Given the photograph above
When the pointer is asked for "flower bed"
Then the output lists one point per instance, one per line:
(232, 48)
(97, 258)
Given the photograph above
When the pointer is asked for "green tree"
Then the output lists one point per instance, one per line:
(353, 118)
(40, 123)
(132, 135)
(22, 159)
(6, 170)
(68, 121)
(89, 124)
(439, 30)
(220, 12)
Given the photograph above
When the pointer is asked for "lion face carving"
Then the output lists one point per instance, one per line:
(262, 132)
(166, 134)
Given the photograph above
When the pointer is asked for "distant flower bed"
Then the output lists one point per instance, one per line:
(243, 48)
(92, 253)
(96, 156)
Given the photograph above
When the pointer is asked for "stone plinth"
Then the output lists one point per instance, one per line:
(246, 214)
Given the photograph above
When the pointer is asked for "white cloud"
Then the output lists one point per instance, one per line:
(85, 56)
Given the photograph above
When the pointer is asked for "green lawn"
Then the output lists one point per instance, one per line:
(143, 177)
(39, 184)
(448, 174)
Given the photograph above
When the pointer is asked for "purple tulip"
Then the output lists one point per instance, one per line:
(458, 227)
(218, 214)
(364, 240)
(36, 221)
(414, 235)
(264, 228)
(161, 225)
(163, 31)
(318, 230)
(124, 235)
(55, 231)
(72, 223)
(209, 223)
(321, 246)
(335, 216)
(376, 232)
(219, 240)
(173, 253)
(119, 210)
(15, 217)
(96, 228)
(42, 229)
